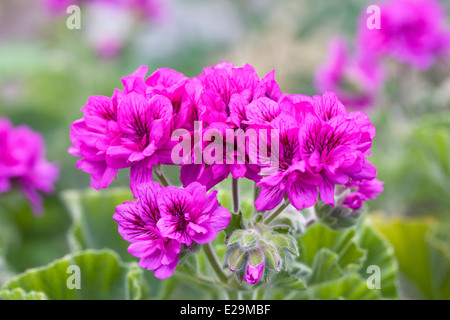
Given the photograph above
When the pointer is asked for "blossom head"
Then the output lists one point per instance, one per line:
(361, 191)
(190, 215)
(223, 90)
(411, 31)
(137, 223)
(254, 273)
(131, 129)
(292, 178)
(223, 97)
(355, 80)
(164, 220)
(22, 162)
(335, 144)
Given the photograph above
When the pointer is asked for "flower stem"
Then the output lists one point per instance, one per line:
(214, 261)
(235, 194)
(275, 213)
(161, 176)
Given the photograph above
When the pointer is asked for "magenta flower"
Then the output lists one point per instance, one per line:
(190, 215)
(162, 219)
(254, 273)
(143, 130)
(92, 136)
(58, 7)
(411, 31)
(361, 192)
(355, 80)
(23, 163)
(137, 223)
(213, 90)
(220, 97)
(131, 129)
(335, 144)
(292, 178)
(320, 145)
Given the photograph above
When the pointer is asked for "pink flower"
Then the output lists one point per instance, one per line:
(137, 223)
(219, 98)
(92, 136)
(411, 31)
(335, 144)
(361, 192)
(293, 177)
(58, 7)
(22, 162)
(254, 273)
(131, 129)
(162, 219)
(212, 91)
(190, 215)
(144, 129)
(355, 80)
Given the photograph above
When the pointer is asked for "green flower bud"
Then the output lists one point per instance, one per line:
(249, 238)
(235, 237)
(237, 259)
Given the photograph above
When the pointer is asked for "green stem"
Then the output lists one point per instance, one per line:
(275, 213)
(233, 294)
(161, 176)
(235, 194)
(258, 294)
(215, 264)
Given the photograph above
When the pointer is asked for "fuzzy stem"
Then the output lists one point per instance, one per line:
(214, 261)
(161, 177)
(235, 194)
(275, 213)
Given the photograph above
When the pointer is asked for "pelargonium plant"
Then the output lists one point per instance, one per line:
(23, 163)
(306, 155)
(410, 33)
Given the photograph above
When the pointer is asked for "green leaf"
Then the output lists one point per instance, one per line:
(284, 279)
(19, 294)
(379, 252)
(423, 254)
(102, 276)
(343, 243)
(236, 223)
(286, 242)
(325, 267)
(351, 287)
(93, 226)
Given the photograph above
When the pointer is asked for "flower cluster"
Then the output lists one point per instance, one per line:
(131, 129)
(229, 122)
(23, 163)
(162, 220)
(355, 79)
(321, 145)
(410, 31)
(359, 192)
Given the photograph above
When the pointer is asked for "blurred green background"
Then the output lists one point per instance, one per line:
(47, 72)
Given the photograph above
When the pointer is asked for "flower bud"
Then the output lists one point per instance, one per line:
(249, 238)
(235, 237)
(273, 258)
(339, 217)
(349, 204)
(237, 259)
(255, 267)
